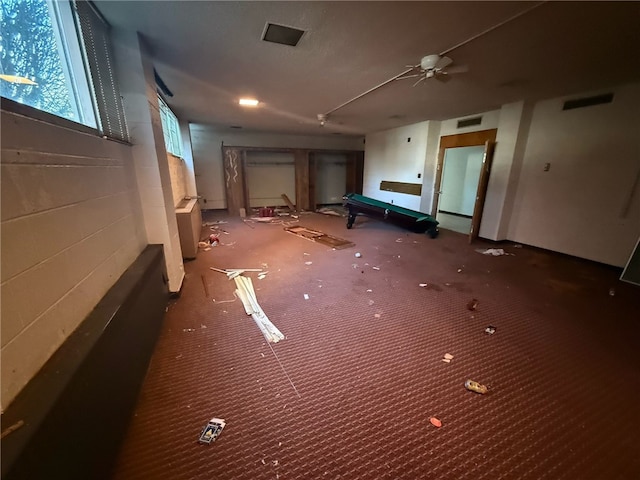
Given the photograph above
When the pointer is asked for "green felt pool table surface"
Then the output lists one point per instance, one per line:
(377, 203)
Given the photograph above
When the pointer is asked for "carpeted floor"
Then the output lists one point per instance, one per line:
(365, 355)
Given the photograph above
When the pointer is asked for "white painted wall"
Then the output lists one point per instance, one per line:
(331, 178)
(389, 156)
(584, 206)
(71, 225)
(187, 153)
(268, 176)
(578, 206)
(511, 138)
(177, 173)
(140, 100)
(430, 164)
(206, 142)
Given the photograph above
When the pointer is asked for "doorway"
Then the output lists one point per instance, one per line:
(464, 163)
(460, 176)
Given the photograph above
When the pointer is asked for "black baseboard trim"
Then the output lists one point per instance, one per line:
(77, 408)
(455, 214)
(513, 249)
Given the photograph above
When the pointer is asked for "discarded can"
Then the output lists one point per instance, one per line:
(212, 430)
(475, 387)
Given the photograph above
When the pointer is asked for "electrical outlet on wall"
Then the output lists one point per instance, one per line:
(547, 167)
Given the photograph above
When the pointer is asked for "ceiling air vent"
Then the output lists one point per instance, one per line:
(281, 34)
(588, 101)
(469, 122)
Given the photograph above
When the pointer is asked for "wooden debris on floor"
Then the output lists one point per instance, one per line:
(288, 202)
(320, 237)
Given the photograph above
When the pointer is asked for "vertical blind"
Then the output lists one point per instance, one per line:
(94, 31)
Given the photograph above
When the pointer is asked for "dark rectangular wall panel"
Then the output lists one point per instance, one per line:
(401, 187)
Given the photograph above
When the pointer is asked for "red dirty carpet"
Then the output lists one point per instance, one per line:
(562, 368)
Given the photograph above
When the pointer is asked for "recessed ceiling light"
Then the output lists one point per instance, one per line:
(248, 102)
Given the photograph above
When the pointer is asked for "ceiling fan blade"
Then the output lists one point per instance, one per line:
(421, 79)
(458, 69)
(443, 62)
(443, 77)
(409, 76)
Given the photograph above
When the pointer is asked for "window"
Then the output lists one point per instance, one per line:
(171, 129)
(56, 56)
(41, 61)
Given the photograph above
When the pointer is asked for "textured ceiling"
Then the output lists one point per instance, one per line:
(210, 54)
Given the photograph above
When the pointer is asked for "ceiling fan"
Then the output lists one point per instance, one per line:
(433, 66)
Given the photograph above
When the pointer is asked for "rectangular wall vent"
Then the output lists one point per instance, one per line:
(588, 101)
(469, 122)
(282, 35)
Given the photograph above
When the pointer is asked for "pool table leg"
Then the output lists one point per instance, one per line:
(350, 219)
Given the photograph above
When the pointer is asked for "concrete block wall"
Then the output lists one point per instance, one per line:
(71, 223)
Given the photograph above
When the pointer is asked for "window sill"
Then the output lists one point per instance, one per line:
(42, 116)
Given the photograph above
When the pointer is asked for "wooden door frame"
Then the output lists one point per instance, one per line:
(471, 139)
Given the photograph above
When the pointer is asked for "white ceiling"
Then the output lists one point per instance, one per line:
(210, 54)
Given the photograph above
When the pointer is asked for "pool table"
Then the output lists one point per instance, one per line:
(416, 221)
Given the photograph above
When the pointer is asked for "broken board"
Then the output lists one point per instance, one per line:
(320, 237)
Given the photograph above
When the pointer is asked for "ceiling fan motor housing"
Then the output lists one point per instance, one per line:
(429, 62)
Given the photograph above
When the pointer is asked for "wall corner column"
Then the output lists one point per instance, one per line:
(140, 100)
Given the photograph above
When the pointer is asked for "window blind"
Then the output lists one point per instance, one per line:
(94, 31)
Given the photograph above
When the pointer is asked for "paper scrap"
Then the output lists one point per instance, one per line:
(496, 252)
(306, 296)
